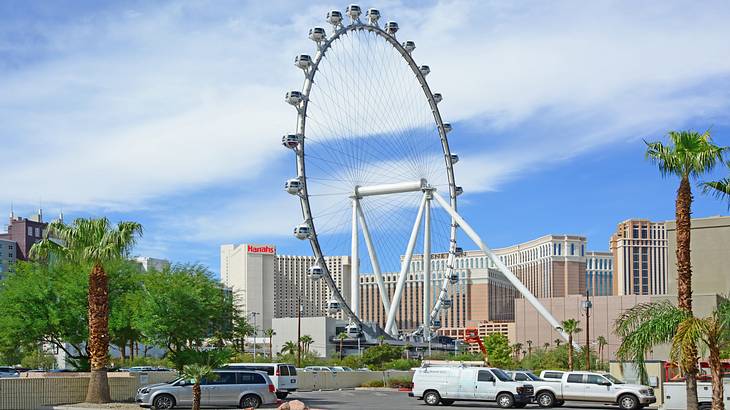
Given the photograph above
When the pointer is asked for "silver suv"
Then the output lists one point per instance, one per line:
(230, 388)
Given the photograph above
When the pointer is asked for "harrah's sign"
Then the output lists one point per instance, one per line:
(268, 249)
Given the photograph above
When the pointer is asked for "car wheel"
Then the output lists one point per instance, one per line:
(432, 398)
(446, 402)
(705, 406)
(505, 400)
(628, 402)
(250, 400)
(545, 399)
(163, 401)
(281, 395)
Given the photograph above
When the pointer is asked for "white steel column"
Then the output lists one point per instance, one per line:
(500, 265)
(355, 263)
(427, 268)
(405, 266)
(374, 260)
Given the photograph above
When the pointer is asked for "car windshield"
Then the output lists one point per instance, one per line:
(501, 375)
(613, 379)
(533, 376)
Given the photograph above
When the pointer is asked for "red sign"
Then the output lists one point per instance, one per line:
(268, 249)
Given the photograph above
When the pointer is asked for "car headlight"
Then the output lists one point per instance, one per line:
(144, 390)
(647, 392)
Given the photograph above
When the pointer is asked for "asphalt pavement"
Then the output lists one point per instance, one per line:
(394, 400)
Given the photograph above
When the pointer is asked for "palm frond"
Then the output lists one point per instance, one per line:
(690, 154)
(644, 326)
(719, 189)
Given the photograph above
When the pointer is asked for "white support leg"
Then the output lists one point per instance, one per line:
(374, 260)
(355, 263)
(500, 265)
(395, 304)
(427, 268)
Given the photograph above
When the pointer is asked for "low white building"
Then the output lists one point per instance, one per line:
(320, 329)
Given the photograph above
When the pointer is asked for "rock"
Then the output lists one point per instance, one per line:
(284, 406)
(297, 405)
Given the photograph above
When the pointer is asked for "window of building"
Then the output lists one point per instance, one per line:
(572, 249)
(30, 231)
(582, 250)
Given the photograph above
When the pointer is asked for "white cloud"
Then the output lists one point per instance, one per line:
(123, 109)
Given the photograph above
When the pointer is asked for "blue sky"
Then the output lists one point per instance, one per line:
(170, 113)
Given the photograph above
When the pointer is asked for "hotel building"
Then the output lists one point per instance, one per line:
(599, 273)
(272, 285)
(639, 249)
(550, 266)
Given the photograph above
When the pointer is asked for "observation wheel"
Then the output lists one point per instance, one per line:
(371, 152)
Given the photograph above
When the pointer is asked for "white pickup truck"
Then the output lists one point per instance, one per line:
(675, 395)
(592, 387)
(446, 384)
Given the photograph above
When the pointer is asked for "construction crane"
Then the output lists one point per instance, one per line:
(471, 336)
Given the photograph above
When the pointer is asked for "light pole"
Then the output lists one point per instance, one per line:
(254, 334)
(587, 305)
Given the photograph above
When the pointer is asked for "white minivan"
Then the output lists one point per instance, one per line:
(284, 375)
(447, 384)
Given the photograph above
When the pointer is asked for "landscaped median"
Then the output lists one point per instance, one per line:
(38, 391)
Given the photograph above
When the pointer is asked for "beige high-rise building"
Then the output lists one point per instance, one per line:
(710, 253)
(599, 273)
(292, 285)
(549, 266)
(247, 270)
(639, 249)
(552, 265)
(271, 285)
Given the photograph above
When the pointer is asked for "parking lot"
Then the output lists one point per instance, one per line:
(374, 399)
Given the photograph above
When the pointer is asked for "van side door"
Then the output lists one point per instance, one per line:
(485, 386)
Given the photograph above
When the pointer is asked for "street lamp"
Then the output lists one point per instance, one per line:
(587, 305)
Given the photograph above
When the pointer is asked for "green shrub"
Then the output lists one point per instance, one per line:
(400, 382)
(373, 383)
(402, 364)
(375, 357)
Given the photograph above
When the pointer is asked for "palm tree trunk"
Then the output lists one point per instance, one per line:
(570, 352)
(717, 383)
(340, 349)
(196, 396)
(98, 391)
(684, 281)
(271, 346)
(684, 225)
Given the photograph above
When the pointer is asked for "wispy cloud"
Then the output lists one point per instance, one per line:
(122, 108)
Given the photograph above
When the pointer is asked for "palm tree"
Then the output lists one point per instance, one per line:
(381, 339)
(342, 336)
(289, 348)
(602, 342)
(570, 326)
(546, 345)
(197, 372)
(270, 334)
(557, 342)
(407, 348)
(306, 340)
(242, 329)
(690, 155)
(517, 347)
(93, 243)
(529, 347)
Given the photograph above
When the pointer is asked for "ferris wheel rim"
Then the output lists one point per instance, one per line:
(301, 152)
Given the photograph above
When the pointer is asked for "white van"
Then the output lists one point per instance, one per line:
(284, 375)
(446, 384)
